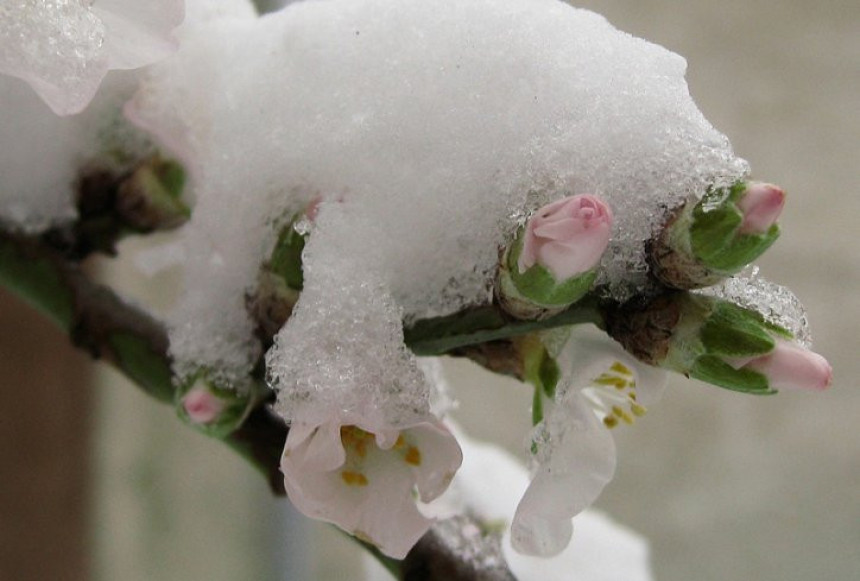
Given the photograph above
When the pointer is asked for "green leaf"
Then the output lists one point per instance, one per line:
(286, 260)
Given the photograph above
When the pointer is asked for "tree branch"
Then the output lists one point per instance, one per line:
(108, 328)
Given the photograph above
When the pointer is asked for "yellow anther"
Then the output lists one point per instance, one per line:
(413, 456)
(356, 439)
(617, 382)
(619, 367)
(354, 478)
(401, 441)
(620, 413)
(637, 410)
(610, 422)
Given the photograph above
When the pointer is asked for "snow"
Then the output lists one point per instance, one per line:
(429, 129)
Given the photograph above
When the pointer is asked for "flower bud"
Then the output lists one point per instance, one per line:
(717, 342)
(212, 408)
(553, 259)
(791, 367)
(281, 278)
(150, 198)
(727, 229)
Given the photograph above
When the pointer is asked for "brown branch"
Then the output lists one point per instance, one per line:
(111, 329)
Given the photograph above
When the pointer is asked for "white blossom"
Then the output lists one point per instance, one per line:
(572, 446)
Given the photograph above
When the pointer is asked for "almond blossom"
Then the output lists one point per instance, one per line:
(64, 48)
(362, 478)
(573, 449)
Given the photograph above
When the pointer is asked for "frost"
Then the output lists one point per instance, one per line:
(777, 304)
(429, 129)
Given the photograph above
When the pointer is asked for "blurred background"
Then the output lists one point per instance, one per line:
(98, 482)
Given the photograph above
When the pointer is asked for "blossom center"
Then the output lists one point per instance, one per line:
(355, 444)
(613, 393)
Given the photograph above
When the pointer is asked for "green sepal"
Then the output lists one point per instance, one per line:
(714, 228)
(539, 286)
(540, 369)
(172, 177)
(714, 237)
(537, 411)
(151, 197)
(286, 260)
(733, 331)
(714, 370)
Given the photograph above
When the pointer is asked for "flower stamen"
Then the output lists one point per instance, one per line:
(354, 478)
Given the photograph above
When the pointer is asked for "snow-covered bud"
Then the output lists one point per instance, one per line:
(726, 230)
(281, 279)
(553, 259)
(211, 408)
(151, 197)
(718, 342)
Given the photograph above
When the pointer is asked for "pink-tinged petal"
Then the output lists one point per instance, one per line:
(567, 237)
(528, 254)
(761, 206)
(364, 482)
(560, 229)
(324, 449)
(202, 406)
(434, 456)
(791, 367)
(64, 50)
(389, 517)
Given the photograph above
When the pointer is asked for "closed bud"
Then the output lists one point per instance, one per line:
(726, 230)
(718, 342)
(553, 259)
(211, 408)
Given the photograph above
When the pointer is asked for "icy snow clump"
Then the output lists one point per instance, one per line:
(429, 128)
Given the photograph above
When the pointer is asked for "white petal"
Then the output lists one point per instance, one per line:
(389, 517)
(440, 457)
(580, 462)
(489, 484)
(139, 33)
(590, 353)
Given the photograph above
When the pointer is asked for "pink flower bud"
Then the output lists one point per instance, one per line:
(202, 406)
(567, 237)
(761, 205)
(791, 367)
